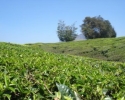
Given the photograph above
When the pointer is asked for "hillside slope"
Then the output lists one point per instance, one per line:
(29, 73)
(110, 49)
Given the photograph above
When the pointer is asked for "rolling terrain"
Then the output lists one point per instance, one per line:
(110, 49)
(47, 71)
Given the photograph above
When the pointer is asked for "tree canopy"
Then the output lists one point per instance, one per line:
(97, 27)
(66, 33)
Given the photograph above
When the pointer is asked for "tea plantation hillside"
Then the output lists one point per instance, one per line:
(29, 73)
(110, 49)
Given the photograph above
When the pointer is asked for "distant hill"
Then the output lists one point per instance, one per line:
(110, 49)
(80, 37)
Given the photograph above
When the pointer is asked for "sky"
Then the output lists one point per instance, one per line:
(33, 21)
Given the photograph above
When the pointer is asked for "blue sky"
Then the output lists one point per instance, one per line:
(31, 21)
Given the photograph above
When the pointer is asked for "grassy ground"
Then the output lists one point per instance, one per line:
(110, 49)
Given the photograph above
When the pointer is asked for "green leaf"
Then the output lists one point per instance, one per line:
(104, 91)
(12, 89)
(7, 95)
(6, 80)
(58, 95)
(66, 91)
(108, 98)
(1, 86)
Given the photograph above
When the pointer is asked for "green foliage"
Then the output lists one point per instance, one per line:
(97, 27)
(66, 93)
(110, 49)
(29, 73)
(66, 33)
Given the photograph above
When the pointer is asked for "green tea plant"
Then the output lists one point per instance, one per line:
(29, 73)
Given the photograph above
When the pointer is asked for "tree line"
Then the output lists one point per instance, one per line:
(92, 27)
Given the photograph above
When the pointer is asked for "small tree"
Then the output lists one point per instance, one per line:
(66, 33)
(97, 27)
